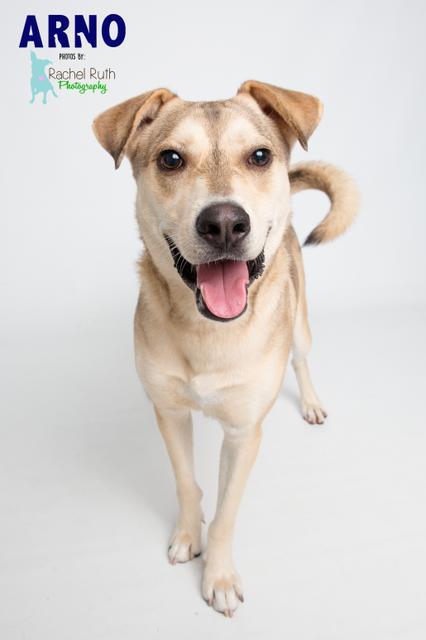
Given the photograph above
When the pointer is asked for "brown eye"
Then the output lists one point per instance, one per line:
(170, 160)
(260, 157)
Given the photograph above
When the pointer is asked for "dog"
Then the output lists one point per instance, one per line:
(222, 298)
(39, 81)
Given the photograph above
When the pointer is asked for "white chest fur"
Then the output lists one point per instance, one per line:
(205, 389)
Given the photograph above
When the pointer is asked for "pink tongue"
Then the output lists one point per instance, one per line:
(223, 287)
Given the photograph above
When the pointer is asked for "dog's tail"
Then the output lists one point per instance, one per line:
(338, 186)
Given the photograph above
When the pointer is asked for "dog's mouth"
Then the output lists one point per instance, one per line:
(220, 286)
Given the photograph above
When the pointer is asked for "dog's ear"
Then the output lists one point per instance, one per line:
(294, 112)
(114, 128)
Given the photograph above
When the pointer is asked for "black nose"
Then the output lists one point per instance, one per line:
(223, 225)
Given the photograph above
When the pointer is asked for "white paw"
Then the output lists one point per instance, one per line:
(183, 546)
(222, 591)
(313, 413)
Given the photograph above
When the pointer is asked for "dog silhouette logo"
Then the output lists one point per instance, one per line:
(40, 83)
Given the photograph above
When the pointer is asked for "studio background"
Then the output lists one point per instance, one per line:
(330, 540)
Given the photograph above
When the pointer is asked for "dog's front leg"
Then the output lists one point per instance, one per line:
(176, 428)
(221, 585)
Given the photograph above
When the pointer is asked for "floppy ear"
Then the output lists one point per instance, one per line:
(298, 112)
(114, 127)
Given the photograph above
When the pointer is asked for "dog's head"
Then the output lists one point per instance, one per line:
(213, 187)
(38, 62)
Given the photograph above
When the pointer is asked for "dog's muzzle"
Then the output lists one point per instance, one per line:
(221, 285)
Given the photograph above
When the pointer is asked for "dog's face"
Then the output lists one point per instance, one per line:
(213, 188)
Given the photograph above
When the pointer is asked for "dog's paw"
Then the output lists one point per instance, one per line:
(222, 591)
(184, 546)
(313, 413)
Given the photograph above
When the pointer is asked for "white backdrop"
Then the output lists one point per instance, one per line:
(74, 420)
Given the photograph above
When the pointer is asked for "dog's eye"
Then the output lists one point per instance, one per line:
(170, 160)
(260, 157)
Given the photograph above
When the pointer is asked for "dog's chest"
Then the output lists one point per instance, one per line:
(214, 366)
(205, 389)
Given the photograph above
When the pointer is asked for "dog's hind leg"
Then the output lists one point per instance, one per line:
(176, 429)
(312, 409)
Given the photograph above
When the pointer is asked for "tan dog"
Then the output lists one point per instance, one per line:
(222, 297)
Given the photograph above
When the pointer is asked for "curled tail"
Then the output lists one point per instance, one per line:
(338, 186)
